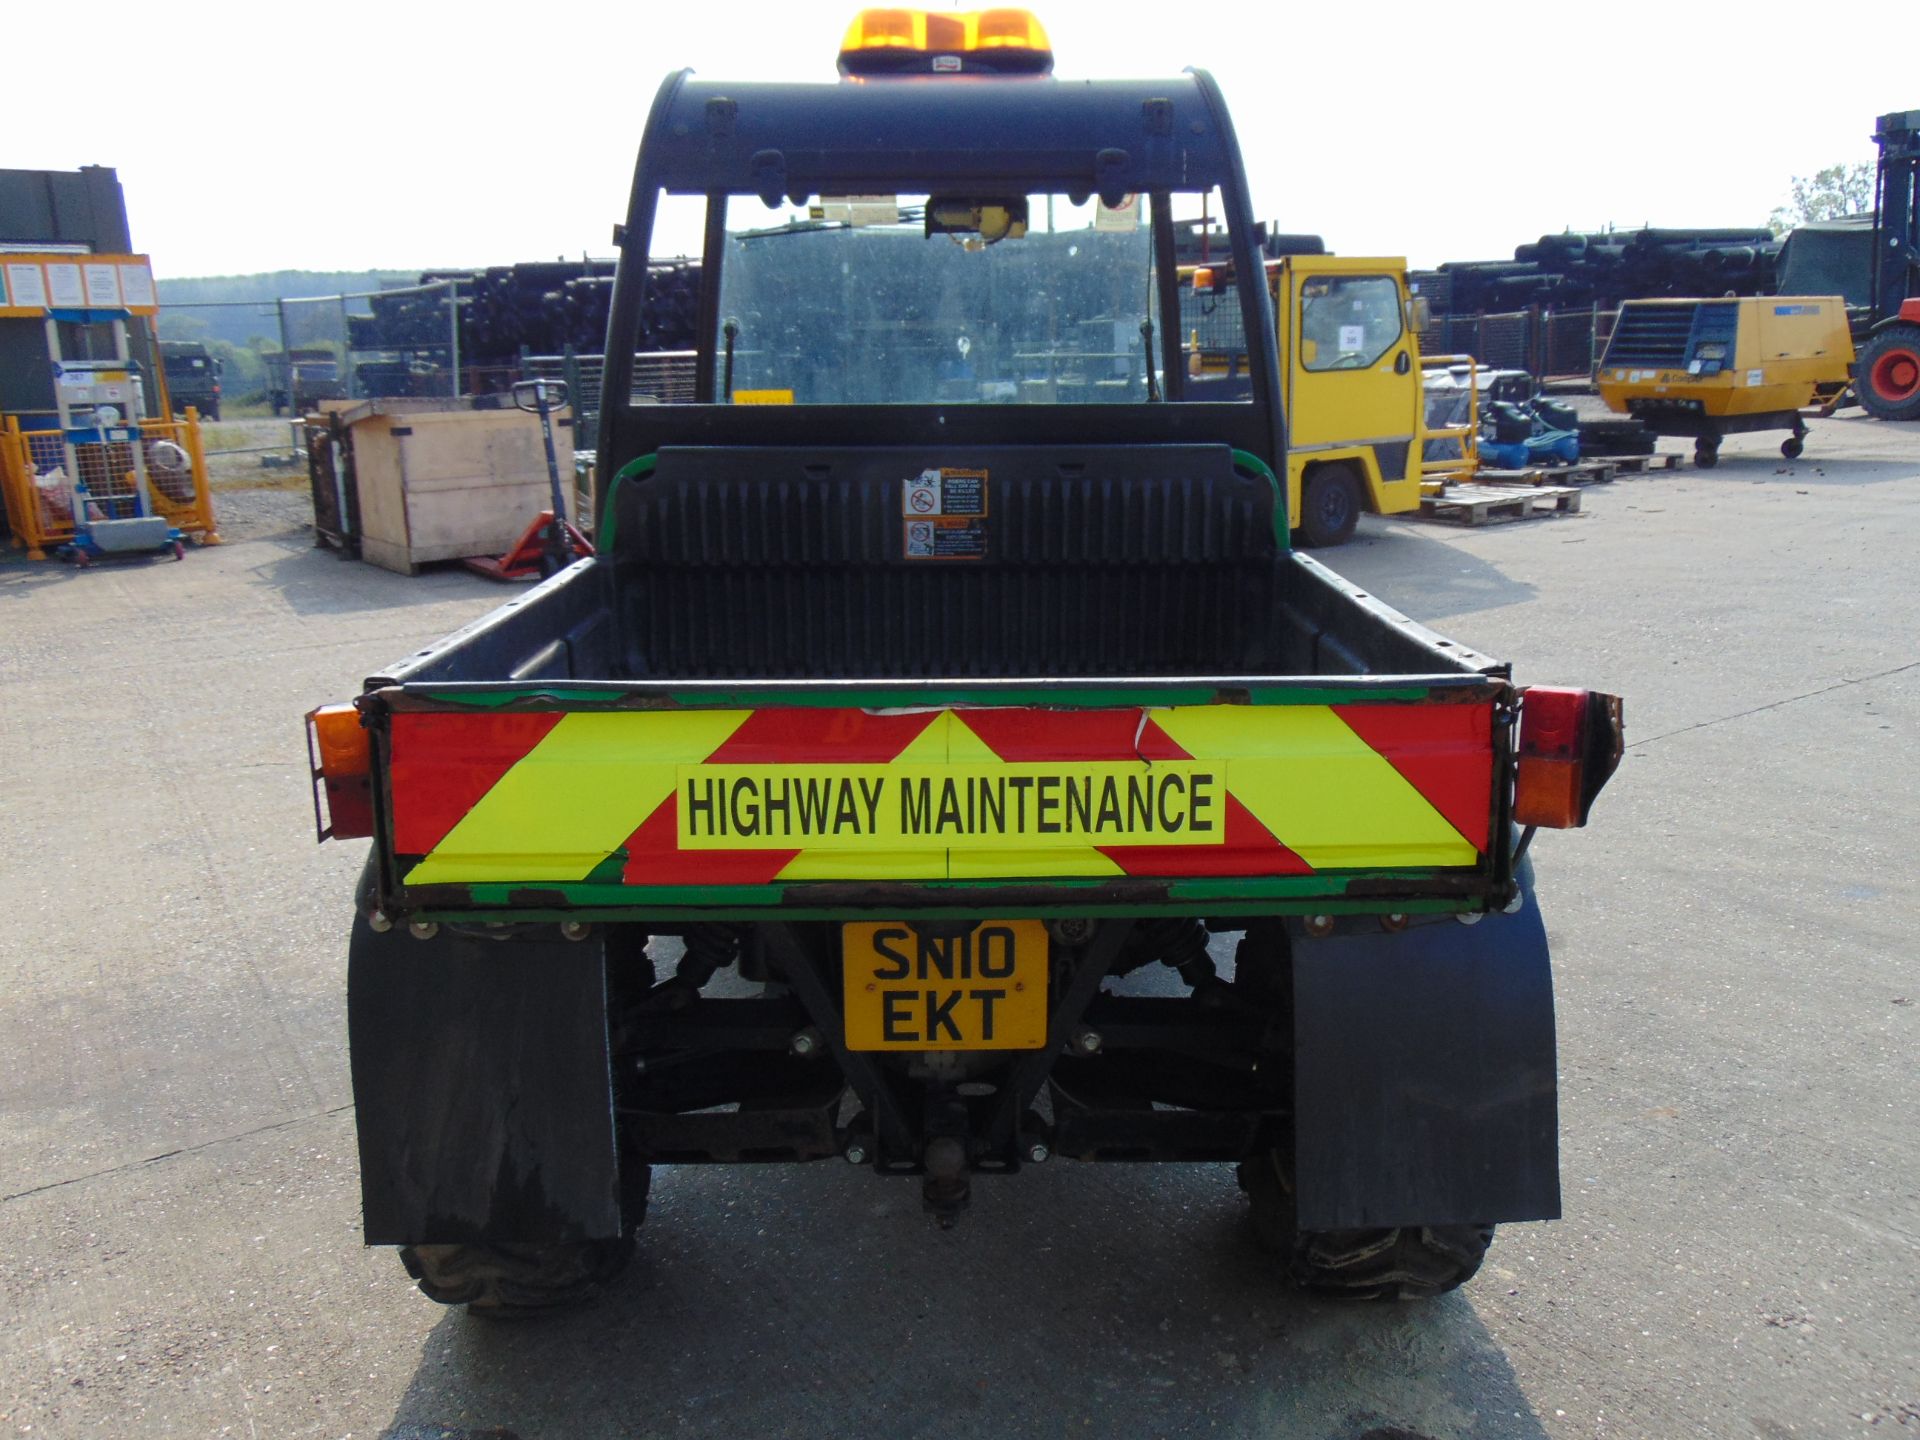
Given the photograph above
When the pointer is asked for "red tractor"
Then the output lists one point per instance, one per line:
(1889, 366)
(1887, 377)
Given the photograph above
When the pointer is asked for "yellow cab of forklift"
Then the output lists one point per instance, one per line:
(1350, 381)
(1351, 388)
(1711, 368)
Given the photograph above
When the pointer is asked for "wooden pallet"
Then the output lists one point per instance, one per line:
(1584, 472)
(1643, 464)
(1483, 504)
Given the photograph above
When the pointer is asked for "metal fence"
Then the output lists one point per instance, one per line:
(402, 342)
(298, 351)
(240, 335)
(664, 376)
(1547, 344)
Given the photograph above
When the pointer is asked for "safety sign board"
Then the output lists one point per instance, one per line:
(737, 797)
(945, 514)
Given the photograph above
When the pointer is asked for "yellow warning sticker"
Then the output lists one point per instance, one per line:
(1038, 805)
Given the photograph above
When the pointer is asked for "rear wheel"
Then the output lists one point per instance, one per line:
(1399, 1263)
(1889, 373)
(507, 1282)
(1329, 506)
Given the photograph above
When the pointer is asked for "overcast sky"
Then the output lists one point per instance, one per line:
(411, 135)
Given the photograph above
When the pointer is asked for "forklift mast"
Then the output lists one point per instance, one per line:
(1897, 255)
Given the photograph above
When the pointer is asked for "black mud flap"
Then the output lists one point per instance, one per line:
(1425, 1090)
(482, 1089)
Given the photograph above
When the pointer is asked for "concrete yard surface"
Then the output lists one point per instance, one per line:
(1739, 1020)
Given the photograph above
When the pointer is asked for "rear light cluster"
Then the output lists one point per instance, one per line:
(341, 753)
(1571, 742)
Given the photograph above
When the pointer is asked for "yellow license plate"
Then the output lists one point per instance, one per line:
(983, 989)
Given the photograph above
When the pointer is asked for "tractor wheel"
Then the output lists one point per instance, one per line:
(1403, 1263)
(1888, 373)
(1706, 452)
(508, 1282)
(1329, 506)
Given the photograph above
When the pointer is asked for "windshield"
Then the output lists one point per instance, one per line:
(1348, 322)
(913, 300)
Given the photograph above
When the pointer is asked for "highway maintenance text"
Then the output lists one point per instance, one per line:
(870, 807)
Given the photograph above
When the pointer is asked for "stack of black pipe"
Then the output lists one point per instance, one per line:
(1576, 271)
(532, 306)
(669, 313)
(541, 308)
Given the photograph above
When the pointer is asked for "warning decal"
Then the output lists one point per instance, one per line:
(945, 515)
(977, 806)
(751, 797)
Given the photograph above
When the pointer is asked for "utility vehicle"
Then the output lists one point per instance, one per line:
(945, 766)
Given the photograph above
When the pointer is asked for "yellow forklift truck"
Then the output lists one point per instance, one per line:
(1351, 384)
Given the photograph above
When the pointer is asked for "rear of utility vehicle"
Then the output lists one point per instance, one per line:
(945, 766)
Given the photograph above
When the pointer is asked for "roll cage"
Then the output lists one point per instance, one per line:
(977, 134)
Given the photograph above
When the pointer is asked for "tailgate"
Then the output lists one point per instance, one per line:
(627, 801)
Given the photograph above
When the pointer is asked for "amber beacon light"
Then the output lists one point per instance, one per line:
(921, 42)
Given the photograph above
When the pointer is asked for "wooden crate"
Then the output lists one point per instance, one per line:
(444, 479)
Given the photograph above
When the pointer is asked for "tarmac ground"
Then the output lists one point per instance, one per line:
(1738, 1008)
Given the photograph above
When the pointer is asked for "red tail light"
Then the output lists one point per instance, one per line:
(341, 753)
(1571, 742)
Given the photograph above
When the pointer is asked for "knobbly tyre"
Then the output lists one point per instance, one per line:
(945, 764)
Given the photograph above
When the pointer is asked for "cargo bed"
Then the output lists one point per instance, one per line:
(761, 641)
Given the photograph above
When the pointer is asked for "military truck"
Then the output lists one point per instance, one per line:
(302, 379)
(938, 771)
(193, 377)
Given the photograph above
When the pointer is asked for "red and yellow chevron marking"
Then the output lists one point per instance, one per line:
(732, 797)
